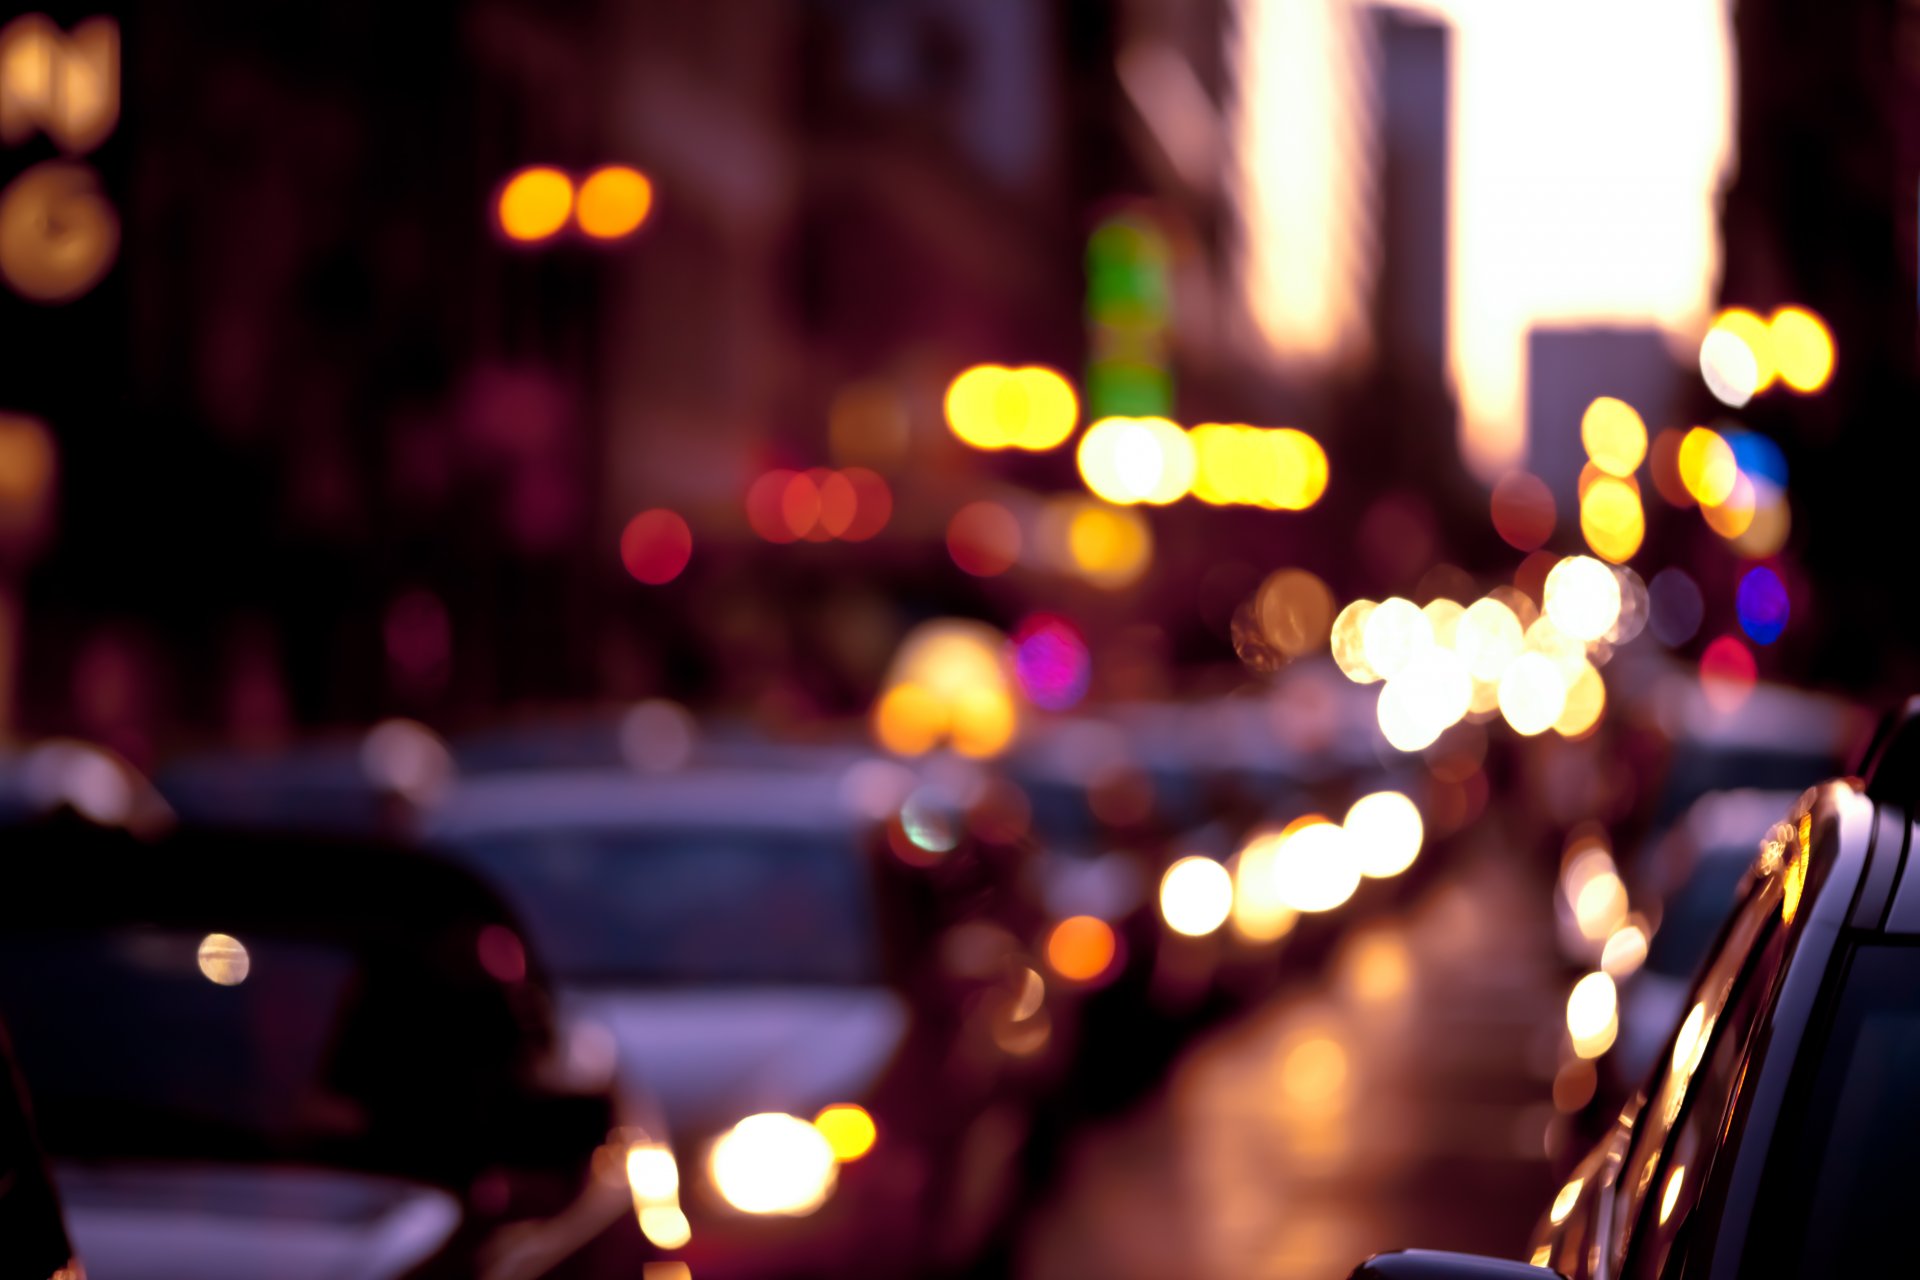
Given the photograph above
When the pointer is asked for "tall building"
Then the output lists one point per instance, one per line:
(1414, 89)
(1567, 369)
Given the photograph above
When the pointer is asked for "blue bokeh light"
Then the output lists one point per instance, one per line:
(1763, 605)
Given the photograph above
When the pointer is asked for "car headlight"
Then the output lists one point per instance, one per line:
(773, 1163)
(652, 1173)
(655, 1180)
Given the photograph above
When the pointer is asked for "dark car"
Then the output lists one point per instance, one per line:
(260, 1056)
(1776, 1134)
(837, 1023)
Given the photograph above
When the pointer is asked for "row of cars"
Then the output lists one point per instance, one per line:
(572, 999)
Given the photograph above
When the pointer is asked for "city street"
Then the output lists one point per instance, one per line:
(1400, 1099)
(958, 640)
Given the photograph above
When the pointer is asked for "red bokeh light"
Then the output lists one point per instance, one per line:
(800, 507)
(655, 546)
(819, 505)
(1727, 673)
(873, 504)
(501, 954)
(1523, 510)
(766, 505)
(838, 502)
(984, 539)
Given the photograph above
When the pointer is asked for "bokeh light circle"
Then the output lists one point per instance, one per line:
(1487, 638)
(1051, 662)
(1769, 525)
(1424, 699)
(1802, 348)
(1314, 868)
(984, 539)
(1523, 510)
(1300, 467)
(1762, 604)
(1734, 516)
(1110, 546)
(1082, 948)
(534, 204)
(1633, 607)
(1348, 641)
(1582, 597)
(1196, 896)
(1708, 468)
(1396, 632)
(766, 505)
(656, 546)
(1533, 693)
(1586, 701)
(613, 202)
(1727, 673)
(873, 504)
(1675, 606)
(1612, 520)
(1729, 366)
(1614, 436)
(1384, 832)
(1295, 611)
(1133, 460)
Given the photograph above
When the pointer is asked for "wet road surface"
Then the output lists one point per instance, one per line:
(1398, 1098)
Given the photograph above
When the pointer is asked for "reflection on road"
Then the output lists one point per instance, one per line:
(1396, 1098)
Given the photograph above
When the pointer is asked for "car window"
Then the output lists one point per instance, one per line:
(1840, 1177)
(672, 907)
(1670, 1197)
(236, 1058)
(1698, 1040)
(268, 1047)
(1694, 914)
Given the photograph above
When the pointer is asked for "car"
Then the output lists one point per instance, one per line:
(838, 1021)
(1693, 873)
(1775, 1134)
(256, 1055)
(33, 1232)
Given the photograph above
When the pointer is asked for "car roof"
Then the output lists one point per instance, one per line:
(732, 799)
(70, 873)
(595, 740)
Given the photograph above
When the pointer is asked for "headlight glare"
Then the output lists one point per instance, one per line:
(775, 1164)
(652, 1173)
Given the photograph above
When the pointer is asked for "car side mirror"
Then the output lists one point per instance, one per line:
(1432, 1264)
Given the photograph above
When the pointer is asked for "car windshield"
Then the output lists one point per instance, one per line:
(1693, 916)
(144, 1042)
(1063, 817)
(672, 907)
(1843, 1168)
